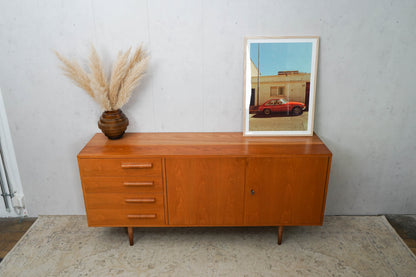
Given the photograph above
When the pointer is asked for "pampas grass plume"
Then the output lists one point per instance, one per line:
(130, 82)
(110, 94)
(76, 73)
(119, 71)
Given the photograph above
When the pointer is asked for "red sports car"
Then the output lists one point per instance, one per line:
(281, 105)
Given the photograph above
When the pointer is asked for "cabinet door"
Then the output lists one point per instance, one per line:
(285, 191)
(205, 191)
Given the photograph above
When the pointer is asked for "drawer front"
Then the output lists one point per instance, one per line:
(120, 167)
(137, 184)
(124, 201)
(122, 218)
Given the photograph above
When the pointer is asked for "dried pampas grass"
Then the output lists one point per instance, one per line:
(110, 94)
(130, 81)
(117, 75)
(75, 72)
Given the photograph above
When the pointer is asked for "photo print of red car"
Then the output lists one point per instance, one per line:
(279, 85)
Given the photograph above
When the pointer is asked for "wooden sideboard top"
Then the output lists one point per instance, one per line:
(200, 144)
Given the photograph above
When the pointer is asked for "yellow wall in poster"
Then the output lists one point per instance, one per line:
(290, 85)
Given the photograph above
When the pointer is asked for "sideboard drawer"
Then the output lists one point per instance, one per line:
(114, 217)
(121, 167)
(123, 184)
(124, 201)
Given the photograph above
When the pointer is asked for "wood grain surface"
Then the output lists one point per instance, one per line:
(120, 167)
(200, 144)
(204, 179)
(136, 184)
(287, 191)
(205, 191)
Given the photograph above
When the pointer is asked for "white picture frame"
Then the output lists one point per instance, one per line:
(280, 85)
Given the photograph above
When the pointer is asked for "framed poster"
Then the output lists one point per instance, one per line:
(280, 84)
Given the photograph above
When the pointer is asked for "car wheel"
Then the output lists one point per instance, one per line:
(297, 111)
(267, 111)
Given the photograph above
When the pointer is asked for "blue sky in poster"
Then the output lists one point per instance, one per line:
(276, 57)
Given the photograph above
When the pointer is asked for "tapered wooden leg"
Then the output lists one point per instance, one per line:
(280, 235)
(130, 231)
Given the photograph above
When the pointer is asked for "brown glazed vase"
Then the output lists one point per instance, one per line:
(113, 124)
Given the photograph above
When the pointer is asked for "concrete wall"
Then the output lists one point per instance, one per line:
(365, 102)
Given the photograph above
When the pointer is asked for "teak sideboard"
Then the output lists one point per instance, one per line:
(204, 179)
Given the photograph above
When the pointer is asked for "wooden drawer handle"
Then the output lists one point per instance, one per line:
(136, 165)
(141, 216)
(139, 184)
(140, 200)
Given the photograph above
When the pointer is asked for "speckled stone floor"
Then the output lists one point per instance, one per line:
(343, 246)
